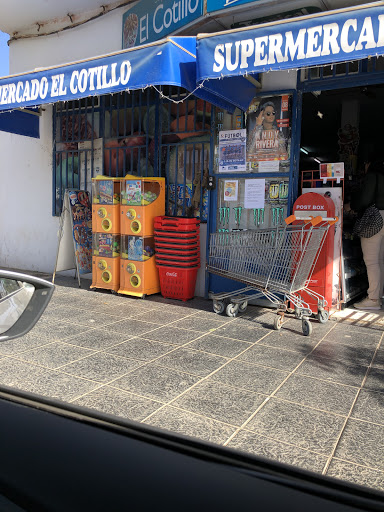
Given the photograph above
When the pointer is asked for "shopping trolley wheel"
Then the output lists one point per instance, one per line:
(323, 316)
(306, 326)
(218, 306)
(278, 322)
(243, 306)
(232, 309)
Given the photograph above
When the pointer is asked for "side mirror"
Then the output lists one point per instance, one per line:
(23, 300)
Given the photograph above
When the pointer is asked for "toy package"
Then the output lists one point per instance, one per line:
(106, 245)
(137, 248)
(105, 191)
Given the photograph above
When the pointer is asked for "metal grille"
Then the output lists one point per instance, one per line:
(135, 133)
(343, 69)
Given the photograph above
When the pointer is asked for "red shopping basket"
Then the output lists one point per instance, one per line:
(182, 251)
(182, 264)
(176, 223)
(176, 282)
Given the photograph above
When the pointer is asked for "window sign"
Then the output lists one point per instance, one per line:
(269, 134)
(150, 20)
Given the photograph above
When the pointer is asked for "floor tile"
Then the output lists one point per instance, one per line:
(18, 374)
(142, 349)
(190, 361)
(378, 361)
(132, 308)
(334, 371)
(358, 475)
(375, 380)
(191, 425)
(220, 402)
(369, 406)
(289, 340)
(362, 443)
(56, 331)
(351, 335)
(348, 353)
(170, 334)
(210, 315)
(273, 357)
(131, 327)
(22, 344)
(162, 317)
(97, 339)
(225, 347)
(196, 323)
(58, 385)
(318, 394)
(118, 403)
(298, 425)
(101, 367)
(249, 376)
(156, 382)
(55, 354)
(241, 330)
(89, 318)
(274, 450)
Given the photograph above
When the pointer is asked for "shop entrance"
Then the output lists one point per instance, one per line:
(342, 125)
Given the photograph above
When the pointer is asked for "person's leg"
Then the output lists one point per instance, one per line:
(373, 253)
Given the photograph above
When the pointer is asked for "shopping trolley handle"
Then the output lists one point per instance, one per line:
(312, 220)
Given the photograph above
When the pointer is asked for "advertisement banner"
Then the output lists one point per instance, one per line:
(232, 150)
(268, 125)
(151, 20)
(81, 220)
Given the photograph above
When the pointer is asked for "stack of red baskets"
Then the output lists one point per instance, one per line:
(177, 243)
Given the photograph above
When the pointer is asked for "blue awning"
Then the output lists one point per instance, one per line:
(315, 40)
(171, 61)
(21, 122)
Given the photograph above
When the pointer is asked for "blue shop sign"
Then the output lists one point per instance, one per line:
(336, 36)
(219, 5)
(150, 20)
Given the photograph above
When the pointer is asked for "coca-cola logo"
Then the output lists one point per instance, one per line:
(171, 274)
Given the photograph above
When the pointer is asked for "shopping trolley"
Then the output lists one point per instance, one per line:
(276, 263)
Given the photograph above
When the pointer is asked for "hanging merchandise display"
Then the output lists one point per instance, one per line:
(142, 199)
(106, 233)
(260, 203)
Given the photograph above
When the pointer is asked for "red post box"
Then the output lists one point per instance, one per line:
(313, 204)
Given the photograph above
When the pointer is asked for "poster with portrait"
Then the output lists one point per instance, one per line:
(268, 125)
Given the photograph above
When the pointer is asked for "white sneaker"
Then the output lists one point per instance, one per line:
(367, 303)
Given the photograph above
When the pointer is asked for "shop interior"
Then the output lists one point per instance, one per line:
(343, 125)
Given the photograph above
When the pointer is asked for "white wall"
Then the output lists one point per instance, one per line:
(279, 80)
(27, 228)
(28, 231)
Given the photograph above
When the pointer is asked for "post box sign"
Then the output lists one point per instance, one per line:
(151, 20)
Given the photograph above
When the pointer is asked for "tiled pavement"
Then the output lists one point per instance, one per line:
(315, 402)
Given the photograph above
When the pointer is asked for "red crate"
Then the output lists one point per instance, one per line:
(176, 282)
(176, 234)
(176, 240)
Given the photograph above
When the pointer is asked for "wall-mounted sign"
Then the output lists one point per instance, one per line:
(335, 36)
(219, 5)
(151, 20)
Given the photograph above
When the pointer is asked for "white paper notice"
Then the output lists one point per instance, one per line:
(269, 166)
(254, 193)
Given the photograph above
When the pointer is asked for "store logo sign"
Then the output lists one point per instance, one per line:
(150, 20)
(218, 5)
